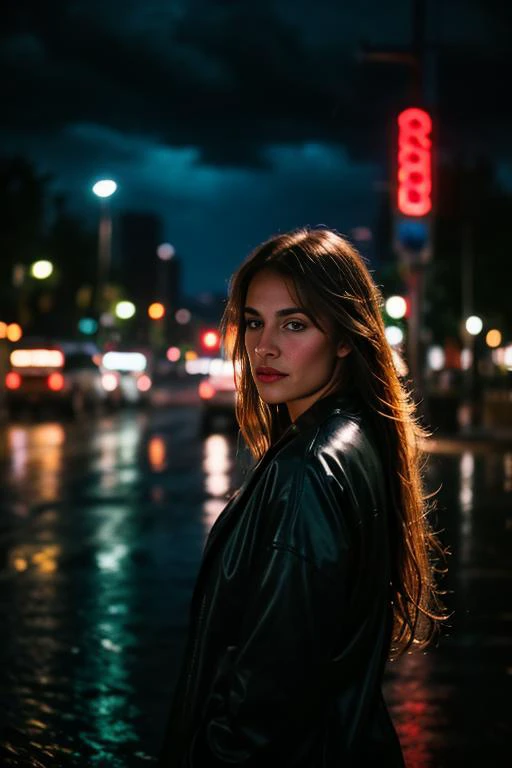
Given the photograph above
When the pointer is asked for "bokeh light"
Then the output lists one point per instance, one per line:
(14, 332)
(474, 325)
(394, 335)
(493, 338)
(156, 310)
(104, 188)
(182, 316)
(165, 251)
(173, 354)
(125, 309)
(396, 307)
(41, 269)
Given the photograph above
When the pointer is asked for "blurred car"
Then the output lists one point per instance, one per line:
(65, 376)
(217, 394)
(126, 378)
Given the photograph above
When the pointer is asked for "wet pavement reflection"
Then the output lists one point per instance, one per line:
(102, 526)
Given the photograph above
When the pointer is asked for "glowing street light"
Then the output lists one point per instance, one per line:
(104, 189)
(474, 325)
(14, 332)
(165, 251)
(156, 310)
(493, 338)
(125, 309)
(396, 307)
(41, 269)
(394, 335)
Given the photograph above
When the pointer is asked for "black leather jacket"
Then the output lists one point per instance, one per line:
(290, 620)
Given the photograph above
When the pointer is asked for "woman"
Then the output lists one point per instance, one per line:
(321, 566)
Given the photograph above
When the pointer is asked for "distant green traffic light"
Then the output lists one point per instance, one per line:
(88, 326)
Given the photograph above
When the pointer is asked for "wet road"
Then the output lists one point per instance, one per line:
(102, 525)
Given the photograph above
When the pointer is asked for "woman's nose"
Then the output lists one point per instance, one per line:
(265, 346)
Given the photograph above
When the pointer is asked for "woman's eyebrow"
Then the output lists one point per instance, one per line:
(280, 312)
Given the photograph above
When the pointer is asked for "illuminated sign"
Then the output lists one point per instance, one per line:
(414, 162)
(37, 358)
(125, 361)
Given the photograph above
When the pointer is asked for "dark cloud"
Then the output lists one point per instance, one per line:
(232, 119)
(233, 77)
(227, 77)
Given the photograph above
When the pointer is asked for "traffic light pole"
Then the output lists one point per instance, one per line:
(413, 264)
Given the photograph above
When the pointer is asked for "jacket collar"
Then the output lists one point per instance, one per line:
(322, 409)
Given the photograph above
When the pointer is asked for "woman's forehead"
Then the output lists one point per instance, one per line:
(268, 288)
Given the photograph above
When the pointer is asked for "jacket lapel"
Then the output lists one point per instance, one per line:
(317, 413)
(235, 504)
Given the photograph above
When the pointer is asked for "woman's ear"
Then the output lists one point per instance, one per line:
(343, 349)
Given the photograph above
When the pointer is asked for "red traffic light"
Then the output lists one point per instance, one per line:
(414, 162)
(210, 340)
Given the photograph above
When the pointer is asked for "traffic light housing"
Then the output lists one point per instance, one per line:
(414, 196)
(413, 210)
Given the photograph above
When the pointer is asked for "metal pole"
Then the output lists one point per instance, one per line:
(467, 310)
(104, 255)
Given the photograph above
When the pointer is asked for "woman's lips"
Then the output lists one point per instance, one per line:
(269, 378)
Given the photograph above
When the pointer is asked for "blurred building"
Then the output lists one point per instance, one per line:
(145, 277)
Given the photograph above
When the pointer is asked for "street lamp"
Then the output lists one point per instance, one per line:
(42, 269)
(473, 327)
(104, 189)
(125, 310)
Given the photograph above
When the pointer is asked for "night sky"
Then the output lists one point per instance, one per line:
(235, 120)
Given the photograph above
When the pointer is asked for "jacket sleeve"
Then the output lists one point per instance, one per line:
(267, 691)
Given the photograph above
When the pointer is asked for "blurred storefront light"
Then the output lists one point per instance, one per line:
(156, 311)
(436, 358)
(394, 335)
(466, 359)
(396, 307)
(124, 361)
(14, 332)
(41, 269)
(173, 354)
(87, 325)
(493, 338)
(165, 251)
(474, 325)
(183, 316)
(125, 310)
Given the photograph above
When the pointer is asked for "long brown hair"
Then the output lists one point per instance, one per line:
(328, 273)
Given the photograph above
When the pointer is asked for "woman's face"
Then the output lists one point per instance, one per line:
(292, 360)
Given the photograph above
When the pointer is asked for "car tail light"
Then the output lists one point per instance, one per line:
(206, 391)
(13, 380)
(143, 383)
(56, 382)
(109, 382)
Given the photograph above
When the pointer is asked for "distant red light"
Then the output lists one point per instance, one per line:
(143, 383)
(56, 382)
(414, 162)
(210, 340)
(13, 380)
(206, 390)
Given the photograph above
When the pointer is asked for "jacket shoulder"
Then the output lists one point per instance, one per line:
(325, 488)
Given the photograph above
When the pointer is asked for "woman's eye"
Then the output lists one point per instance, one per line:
(295, 325)
(251, 325)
